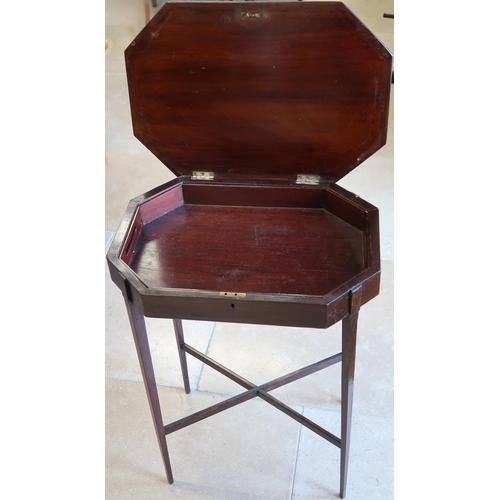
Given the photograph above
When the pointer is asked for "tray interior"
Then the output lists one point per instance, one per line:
(248, 249)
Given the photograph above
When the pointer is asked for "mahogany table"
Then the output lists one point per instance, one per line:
(259, 109)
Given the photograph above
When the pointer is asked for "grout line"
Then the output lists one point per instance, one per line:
(299, 432)
(224, 395)
(335, 410)
(203, 364)
(174, 387)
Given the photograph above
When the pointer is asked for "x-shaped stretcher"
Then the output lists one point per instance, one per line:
(347, 357)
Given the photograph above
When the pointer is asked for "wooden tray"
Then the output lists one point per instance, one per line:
(268, 253)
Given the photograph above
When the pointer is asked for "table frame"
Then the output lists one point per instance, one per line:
(347, 357)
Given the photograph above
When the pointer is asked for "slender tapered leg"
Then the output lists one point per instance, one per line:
(179, 335)
(142, 345)
(349, 330)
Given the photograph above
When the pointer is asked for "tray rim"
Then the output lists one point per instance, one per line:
(330, 307)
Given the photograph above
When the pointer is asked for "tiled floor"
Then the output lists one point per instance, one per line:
(251, 451)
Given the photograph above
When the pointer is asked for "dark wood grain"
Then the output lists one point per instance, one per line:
(138, 326)
(271, 308)
(132, 237)
(254, 195)
(260, 310)
(249, 250)
(179, 337)
(302, 89)
(349, 336)
(162, 203)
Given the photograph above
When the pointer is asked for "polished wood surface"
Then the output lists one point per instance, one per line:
(249, 249)
(179, 337)
(141, 341)
(268, 89)
(349, 337)
(295, 251)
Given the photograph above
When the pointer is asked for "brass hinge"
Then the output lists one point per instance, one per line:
(203, 176)
(307, 179)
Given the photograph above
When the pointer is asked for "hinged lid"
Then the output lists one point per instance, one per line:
(259, 89)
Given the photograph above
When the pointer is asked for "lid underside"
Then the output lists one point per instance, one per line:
(266, 89)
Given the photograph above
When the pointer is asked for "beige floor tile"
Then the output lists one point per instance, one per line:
(374, 385)
(387, 38)
(121, 358)
(247, 452)
(121, 37)
(118, 124)
(371, 469)
(262, 353)
(372, 14)
(131, 170)
(388, 149)
(128, 13)
(373, 181)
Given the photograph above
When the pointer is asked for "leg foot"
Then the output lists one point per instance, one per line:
(142, 345)
(349, 331)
